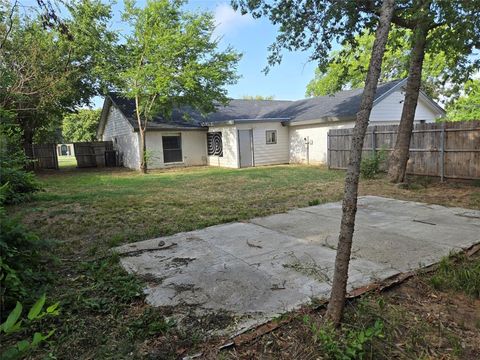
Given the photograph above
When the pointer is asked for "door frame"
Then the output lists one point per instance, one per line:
(252, 150)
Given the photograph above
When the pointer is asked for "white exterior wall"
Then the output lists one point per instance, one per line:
(125, 140)
(230, 147)
(389, 110)
(316, 152)
(194, 148)
(268, 154)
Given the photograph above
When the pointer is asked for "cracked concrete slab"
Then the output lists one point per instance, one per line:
(259, 269)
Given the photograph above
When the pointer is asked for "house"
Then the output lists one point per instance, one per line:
(248, 133)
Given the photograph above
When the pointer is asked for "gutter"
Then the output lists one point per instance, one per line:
(245, 121)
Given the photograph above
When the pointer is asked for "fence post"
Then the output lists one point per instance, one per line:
(328, 149)
(374, 140)
(442, 153)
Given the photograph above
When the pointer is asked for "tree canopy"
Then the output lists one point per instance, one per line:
(348, 66)
(467, 106)
(170, 60)
(81, 125)
(45, 70)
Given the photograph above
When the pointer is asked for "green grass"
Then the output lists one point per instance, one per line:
(88, 211)
(67, 161)
(458, 273)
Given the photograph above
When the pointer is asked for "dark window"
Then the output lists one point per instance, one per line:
(172, 149)
(214, 143)
(271, 136)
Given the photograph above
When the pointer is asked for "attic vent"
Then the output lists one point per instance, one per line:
(214, 143)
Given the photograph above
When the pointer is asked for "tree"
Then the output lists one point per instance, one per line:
(467, 106)
(453, 25)
(349, 205)
(313, 27)
(348, 66)
(170, 60)
(258, 97)
(80, 126)
(48, 68)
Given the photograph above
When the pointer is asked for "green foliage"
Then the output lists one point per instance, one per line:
(462, 276)
(348, 66)
(314, 202)
(171, 59)
(17, 184)
(46, 71)
(109, 285)
(14, 324)
(20, 261)
(258, 97)
(80, 126)
(152, 322)
(347, 342)
(467, 106)
(371, 165)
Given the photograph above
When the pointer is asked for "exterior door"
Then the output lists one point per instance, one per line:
(245, 142)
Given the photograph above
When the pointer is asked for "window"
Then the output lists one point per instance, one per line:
(271, 136)
(214, 144)
(423, 121)
(172, 148)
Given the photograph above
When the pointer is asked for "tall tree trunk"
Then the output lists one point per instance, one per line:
(142, 147)
(344, 248)
(399, 157)
(143, 150)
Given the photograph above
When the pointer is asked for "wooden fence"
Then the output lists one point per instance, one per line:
(92, 154)
(87, 154)
(45, 156)
(446, 150)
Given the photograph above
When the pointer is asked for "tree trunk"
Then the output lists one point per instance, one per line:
(143, 149)
(340, 276)
(399, 157)
(27, 139)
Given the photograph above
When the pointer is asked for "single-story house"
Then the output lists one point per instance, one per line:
(248, 133)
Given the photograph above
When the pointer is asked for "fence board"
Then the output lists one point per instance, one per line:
(45, 156)
(92, 154)
(450, 150)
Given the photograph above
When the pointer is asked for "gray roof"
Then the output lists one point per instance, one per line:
(339, 106)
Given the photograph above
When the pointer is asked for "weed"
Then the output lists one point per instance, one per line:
(347, 342)
(151, 323)
(314, 202)
(464, 276)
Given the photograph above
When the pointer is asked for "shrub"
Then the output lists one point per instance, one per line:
(20, 261)
(14, 323)
(19, 184)
(345, 343)
(371, 165)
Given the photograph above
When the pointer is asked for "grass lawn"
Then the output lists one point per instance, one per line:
(86, 212)
(67, 161)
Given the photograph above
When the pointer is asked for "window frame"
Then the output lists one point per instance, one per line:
(271, 142)
(172, 149)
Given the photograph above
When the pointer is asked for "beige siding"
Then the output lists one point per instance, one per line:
(390, 109)
(316, 151)
(194, 148)
(230, 147)
(268, 154)
(125, 140)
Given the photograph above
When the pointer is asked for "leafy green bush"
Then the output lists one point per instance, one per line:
(371, 165)
(14, 323)
(19, 184)
(345, 343)
(20, 261)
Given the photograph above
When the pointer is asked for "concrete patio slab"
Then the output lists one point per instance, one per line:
(259, 269)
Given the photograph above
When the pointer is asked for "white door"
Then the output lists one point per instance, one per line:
(245, 142)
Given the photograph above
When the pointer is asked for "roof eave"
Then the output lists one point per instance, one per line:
(322, 120)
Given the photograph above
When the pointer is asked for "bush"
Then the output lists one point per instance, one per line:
(19, 260)
(18, 184)
(371, 165)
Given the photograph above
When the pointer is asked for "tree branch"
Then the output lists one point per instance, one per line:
(10, 19)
